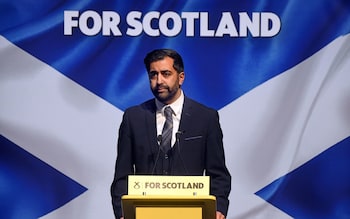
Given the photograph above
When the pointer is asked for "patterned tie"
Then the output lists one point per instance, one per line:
(167, 130)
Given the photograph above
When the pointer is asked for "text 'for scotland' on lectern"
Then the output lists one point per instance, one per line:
(170, 197)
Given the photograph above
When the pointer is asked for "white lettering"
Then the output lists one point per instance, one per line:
(190, 18)
(204, 25)
(69, 23)
(147, 23)
(176, 21)
(91, 23)
(110, 22)
(245, 24)
(226, 26)
(133, 19)
(170, 24)
(268, 30)
(92, 28)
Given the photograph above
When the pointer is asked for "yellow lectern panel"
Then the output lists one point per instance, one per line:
(170, 207)
(170, 212)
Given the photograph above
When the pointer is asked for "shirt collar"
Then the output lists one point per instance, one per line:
(175, 106)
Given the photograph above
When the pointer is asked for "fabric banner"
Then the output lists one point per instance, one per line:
(277, 72)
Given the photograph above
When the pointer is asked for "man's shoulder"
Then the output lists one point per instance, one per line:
(197, 105)
(148, 105)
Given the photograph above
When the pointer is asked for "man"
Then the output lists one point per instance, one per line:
(193, 146)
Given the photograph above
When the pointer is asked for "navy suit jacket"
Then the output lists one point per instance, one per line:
(201, 145)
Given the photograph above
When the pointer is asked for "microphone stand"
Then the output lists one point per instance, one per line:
(159, 139)
(179, 150)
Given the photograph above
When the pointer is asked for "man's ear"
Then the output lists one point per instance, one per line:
(181, 78)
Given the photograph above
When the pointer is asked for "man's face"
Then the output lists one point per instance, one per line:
(165, 81)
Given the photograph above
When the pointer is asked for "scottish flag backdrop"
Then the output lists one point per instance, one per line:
(278, 72)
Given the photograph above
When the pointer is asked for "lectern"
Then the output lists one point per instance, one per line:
(168, 197)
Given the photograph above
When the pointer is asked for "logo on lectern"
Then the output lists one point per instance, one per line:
(137, 185)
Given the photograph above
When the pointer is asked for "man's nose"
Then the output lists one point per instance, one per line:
(160, 79)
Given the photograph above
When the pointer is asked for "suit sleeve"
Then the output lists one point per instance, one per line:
(216, 168)
(123, 166)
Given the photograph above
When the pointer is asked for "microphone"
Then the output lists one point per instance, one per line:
(177, 135)
(159, 139)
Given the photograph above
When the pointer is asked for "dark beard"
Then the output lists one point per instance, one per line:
(165, 99)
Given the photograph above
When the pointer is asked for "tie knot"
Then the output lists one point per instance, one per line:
(168, 112)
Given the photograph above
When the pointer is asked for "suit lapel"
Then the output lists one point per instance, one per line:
(151, 122)
(187, 111)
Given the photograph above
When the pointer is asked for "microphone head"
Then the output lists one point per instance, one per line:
(159, 138)
(180, 132)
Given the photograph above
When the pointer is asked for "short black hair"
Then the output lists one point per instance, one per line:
(160, 54)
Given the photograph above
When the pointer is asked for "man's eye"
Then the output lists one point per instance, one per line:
(166, 73)
(152, 74)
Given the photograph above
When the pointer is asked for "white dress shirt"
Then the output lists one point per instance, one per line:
(160, 117)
